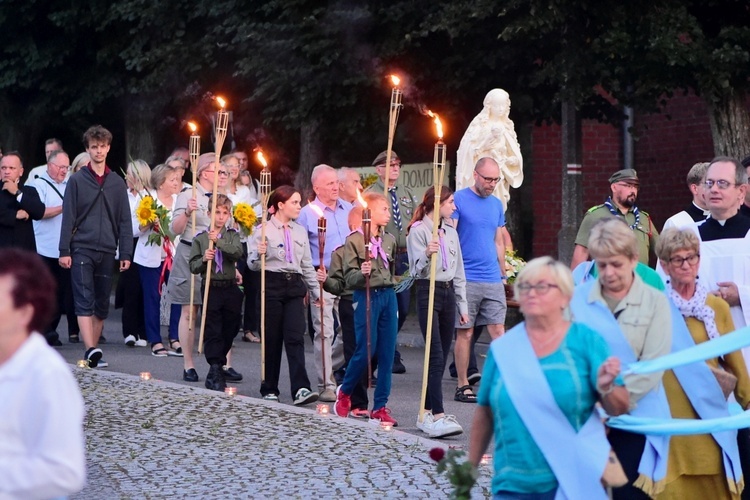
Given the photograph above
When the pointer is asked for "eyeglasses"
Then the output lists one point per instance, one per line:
(491, 180)
(540, 288)
(690, 259)
(221, 172)
(64, 167)
(721, 183)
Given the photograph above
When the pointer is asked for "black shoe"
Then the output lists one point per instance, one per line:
(190, 375)
(215, 379)
(93, 355)
(474, 378)
(231, 374)
(73, 338)
(54, 342)
(398, 366)
(102, 340)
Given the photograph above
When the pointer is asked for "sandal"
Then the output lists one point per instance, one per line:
(249, 336)
(176, 351)
(463, 396)
(159, 353)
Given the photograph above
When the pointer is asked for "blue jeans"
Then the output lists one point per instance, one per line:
(384, 328)
(151, 305)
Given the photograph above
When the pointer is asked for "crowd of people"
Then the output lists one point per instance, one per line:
(542, 381)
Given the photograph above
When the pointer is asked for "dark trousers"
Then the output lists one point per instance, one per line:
(223, 316)
(64, 300)
(443, 322)
(628, 447)
(149, 277)
(129, 296)
(285, 328)
(346, 316)
(404, 298)
(472, 356)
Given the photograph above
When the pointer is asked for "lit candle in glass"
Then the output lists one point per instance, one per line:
(230, 391)
(82, 363)
(323, 409)
(485, 460)
(145, 375)
(386, 426)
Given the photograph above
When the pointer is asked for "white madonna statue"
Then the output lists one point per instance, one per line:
(491, 133)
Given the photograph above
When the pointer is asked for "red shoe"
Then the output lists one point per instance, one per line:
(343, 403)
(383, 415)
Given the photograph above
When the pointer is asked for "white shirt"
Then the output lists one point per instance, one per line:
(47, 231)
(151, 255)
(41, 425)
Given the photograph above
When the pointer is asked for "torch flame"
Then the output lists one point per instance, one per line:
(317, 210)
(361, 200)
(395, 80)
(193, 127)
(262, 159)
(438, 123)
(221, 101)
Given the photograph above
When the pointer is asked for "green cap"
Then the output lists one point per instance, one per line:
(627, 175)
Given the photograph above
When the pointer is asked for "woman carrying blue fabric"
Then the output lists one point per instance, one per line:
(701, 465)
(635, 321)
(540, 383)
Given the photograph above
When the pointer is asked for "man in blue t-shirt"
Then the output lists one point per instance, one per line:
(479, 221)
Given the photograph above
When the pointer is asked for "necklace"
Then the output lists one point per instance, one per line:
(540, 345)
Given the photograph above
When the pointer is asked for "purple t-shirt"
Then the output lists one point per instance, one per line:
(478, 220)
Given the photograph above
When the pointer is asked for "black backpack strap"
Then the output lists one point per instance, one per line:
(80, 219)
(50, 185)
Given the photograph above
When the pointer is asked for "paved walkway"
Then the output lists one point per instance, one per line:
(158, 439)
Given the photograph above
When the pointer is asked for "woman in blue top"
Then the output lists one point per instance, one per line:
(539, 387)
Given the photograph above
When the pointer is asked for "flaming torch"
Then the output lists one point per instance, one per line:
(438, 170)
(265, 193)
(222, 120)
(195, 152)
(394, 110)
(366, 220)
(321, 250)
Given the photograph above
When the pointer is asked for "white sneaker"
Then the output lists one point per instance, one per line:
(130, 340)
(444, 427)
(428, 420)
(141, 343)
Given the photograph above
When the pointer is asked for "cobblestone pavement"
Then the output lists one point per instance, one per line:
(158, 439)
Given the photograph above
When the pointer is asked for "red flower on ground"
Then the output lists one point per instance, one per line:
(437, 454)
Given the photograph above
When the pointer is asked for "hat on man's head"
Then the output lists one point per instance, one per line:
(204, 161)
(627, 175)
(380, 159)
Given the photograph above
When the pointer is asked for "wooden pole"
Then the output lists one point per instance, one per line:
(366, 221)
(195, 151)
(321, 250)
(394, 110)
(438, 170)
(222, 121)
(265, 193)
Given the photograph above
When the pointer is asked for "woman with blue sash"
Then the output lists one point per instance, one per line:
(700, 465)
(634, 319)
(539, 387)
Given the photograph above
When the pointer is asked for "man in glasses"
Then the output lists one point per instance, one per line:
(624, 186)
(725, 238)
(480, 220)
(51, 186)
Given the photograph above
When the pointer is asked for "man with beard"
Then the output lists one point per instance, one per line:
(624, 185)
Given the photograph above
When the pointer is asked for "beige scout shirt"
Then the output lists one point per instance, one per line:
(419, 264)
(276, 261)
(644, 317)
(202, 217)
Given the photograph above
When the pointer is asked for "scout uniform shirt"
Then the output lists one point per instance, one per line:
(407, 204)
(645, 232)
(450, 268)
(231, 251)
(276, 253)
(335, 283)
(354, 255)
(202, 217)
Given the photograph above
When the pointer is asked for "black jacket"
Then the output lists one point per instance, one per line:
(15, 232)
(100, 222)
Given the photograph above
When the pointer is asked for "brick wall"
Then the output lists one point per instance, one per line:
(667, 145)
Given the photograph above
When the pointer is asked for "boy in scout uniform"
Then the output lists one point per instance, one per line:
(401, 204)
(224, 307)
(624, 185)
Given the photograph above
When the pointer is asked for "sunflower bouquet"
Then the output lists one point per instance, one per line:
(245, 217)
(148, 213)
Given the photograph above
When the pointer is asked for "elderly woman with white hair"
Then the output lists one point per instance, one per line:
(635, 320)
(178, 289)
(701, 465)
(540, 384)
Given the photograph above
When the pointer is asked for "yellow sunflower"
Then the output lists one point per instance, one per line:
(145, 212)
(245, 216)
